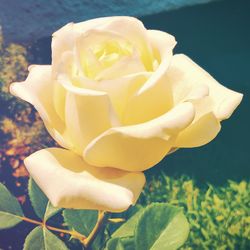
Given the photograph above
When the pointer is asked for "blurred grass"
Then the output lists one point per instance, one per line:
(219, 217)
(21, 129)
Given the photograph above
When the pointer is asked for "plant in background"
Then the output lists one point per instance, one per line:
(21, 129)
(219, 217)
(117, 101)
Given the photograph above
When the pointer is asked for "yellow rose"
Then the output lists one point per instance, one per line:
(118, 100)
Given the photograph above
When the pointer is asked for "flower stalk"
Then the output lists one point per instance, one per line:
(100, 221)
(86, 241)
(74, 234)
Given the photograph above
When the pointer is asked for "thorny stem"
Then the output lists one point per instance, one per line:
(100, 220)
(86, 241)
(75, 234)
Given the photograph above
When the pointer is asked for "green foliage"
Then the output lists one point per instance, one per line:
(20, 124)
(42, 239)
(42, 207)
(81, 224)
(82, 221)
(219, 217)
(121, 244)
(158, 226)
(38, 198)
(161, 226)
(127, 229)
(10, 209)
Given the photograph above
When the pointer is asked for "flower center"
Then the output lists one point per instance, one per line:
(103, 56)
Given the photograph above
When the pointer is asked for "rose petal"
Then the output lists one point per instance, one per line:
(204, 127)
(125, 66)
(138, 147)
(88, 113)
(37, 90)
(119, 90)
(199, 133)
(93, 69)
(64, 38)
(155, 96)
(133, 30)
(184, 74)
(69, 182)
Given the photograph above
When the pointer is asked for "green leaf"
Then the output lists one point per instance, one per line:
(121, 244)
(161, 226)
(123, 237)
(128, 243)
(115, 244)
(82, 221)
(42, 239)
(10, 209)
(43, 208)
(38, 199)
(127, 229)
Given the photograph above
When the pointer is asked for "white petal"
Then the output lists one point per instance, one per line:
(127, 64)
(204, 127)
(69, 182)
(185, 75)
(139, 147)
(155, 96)
(37, 89)
(133, 30)
(88, 113)
(64, 39)
(119, 90)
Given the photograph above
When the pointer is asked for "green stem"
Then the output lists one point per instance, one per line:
(100, 221)
(75, 234)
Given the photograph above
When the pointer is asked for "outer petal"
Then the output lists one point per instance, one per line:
(69, 182)
(184, 75)
(37, 89)
(155, 95)
(203, 129)
(88, 114)
(138, 147)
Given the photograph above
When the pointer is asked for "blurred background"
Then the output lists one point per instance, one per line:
(215, 34)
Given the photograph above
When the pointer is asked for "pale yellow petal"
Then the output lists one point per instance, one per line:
(155, 96)
(199, 133)
(88, 113)
(125, 66)
(64, 39)
(185, 76)
(69, 182)
(133, 30)
(117, 56)
(139, 147)
(204, 127)
(119, 90)
(37, 89)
